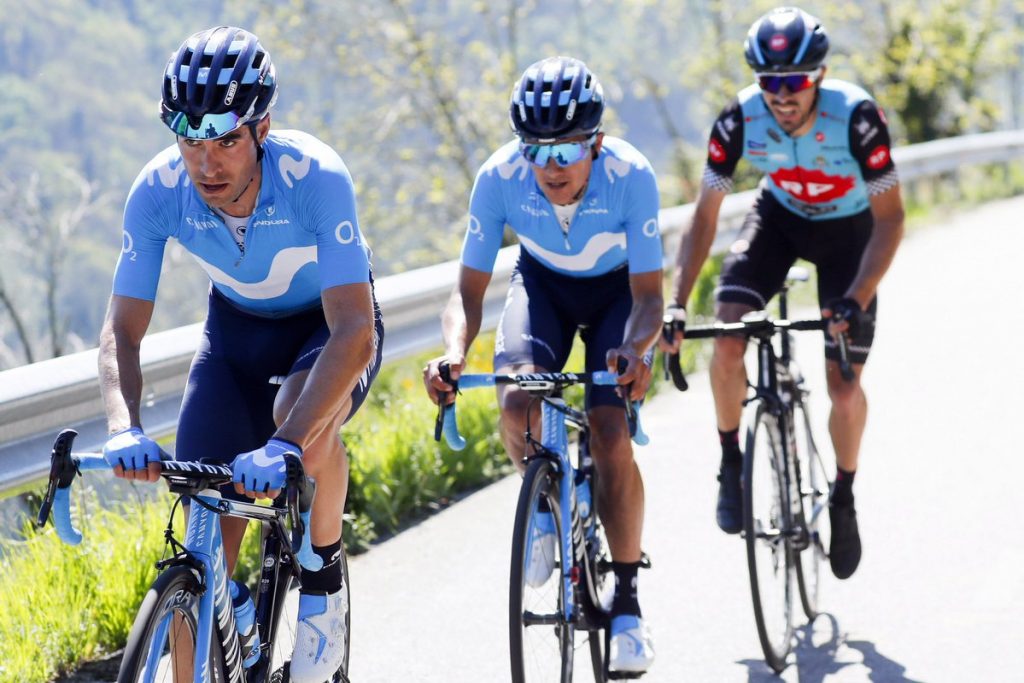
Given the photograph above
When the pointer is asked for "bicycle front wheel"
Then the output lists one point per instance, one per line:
(540, 632)
(766, 525)
(812, 563)
(162, 640)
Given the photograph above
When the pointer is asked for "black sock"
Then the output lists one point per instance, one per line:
(625, 601)
(328, 579)
(842, 494)
(730, 441)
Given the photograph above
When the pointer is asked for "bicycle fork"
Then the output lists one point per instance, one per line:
(555, 439)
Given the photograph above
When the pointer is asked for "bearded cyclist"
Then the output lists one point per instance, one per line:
(271, 218)
(830, 195)
(585, 209)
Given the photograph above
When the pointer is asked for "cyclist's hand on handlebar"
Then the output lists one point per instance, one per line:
(261, 473)
(637, 373)
(846, 315)
(434, 383)
(673, 329)
(133, 455)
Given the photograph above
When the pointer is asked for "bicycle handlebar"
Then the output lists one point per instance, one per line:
(539, 383)
(65, 464)
(758, 327)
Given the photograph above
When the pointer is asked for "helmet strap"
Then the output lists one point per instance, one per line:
(256, 141)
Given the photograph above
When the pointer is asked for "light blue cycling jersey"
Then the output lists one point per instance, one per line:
(302, 238)
(616, 222)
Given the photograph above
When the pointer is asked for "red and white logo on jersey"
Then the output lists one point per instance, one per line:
(778, 42)
(879, 157)
(715, 151)
(813, 186)
(819, 136)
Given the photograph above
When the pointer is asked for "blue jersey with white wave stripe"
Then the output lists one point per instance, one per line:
(302, 238)
(616, 222)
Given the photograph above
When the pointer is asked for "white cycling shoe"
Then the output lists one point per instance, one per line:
(631, 651)
(540, 553)
(319, 637)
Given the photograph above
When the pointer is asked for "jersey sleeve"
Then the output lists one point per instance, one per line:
(643, 236)
(871, 147)
(725, 148)
(486, 223)
(328, 200)
(147, 226)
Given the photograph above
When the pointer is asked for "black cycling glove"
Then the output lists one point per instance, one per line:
(847, 308)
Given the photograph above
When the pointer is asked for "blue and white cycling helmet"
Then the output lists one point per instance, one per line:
(786, 39)
(556, 98)
(217, 81)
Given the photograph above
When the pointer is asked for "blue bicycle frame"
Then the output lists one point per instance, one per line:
(554, 439)
(204, 546)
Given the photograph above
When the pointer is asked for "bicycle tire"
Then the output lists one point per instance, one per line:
(280, 649)
(815, 485)
(537, 654)
(766, 521)
(172, 603)
(600, 586)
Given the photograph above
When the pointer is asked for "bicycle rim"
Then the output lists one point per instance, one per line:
(766, 522)
(540, 635)
(814, 494)
(168, 616)
(600, 591)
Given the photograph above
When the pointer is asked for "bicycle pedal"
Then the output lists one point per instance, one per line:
(624, 675)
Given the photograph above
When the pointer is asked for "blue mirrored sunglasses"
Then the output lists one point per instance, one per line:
(564, 153)
(212, 126)
(795, 81)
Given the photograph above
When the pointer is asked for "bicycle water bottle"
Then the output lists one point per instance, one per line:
(245, 620)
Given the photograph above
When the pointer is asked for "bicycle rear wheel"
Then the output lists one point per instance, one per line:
(168, 616)
(766, 524)
(815, 486)
(540, 634)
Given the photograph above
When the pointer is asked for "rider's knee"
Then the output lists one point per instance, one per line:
(847, 396)
(609, 442)
(729, 352)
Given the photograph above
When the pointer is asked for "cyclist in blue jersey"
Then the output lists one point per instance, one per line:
(830, 195)
(271, 217)
(585, 209)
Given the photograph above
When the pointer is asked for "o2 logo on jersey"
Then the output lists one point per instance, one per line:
(474, 228)
(812, 185)
(651, 228)
(128, 246)
(879, 157)
(346, 233)
(716, 151)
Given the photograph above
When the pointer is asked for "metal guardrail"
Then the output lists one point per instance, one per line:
(37, 400)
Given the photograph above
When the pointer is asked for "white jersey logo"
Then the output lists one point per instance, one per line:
(297, 169)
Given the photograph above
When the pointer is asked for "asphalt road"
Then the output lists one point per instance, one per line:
(940, 589)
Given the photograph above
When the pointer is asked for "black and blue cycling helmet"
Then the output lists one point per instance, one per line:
(217, 81)
(786, 39)
(556, 98)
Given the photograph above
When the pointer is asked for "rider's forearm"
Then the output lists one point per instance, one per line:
(694, 247)
(460, 324)
(878, 256)
(643, 325)
(120, 372)
(331, 380)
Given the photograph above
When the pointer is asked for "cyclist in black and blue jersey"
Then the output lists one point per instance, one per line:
(271, 217)
(585, 209)
(830, 195)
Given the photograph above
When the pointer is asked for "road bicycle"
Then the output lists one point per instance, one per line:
(544, 619)
(786, 484)
(186, 621)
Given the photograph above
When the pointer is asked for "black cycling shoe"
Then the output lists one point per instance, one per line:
(729, 512)
(844, 551)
